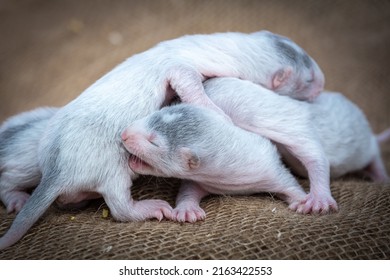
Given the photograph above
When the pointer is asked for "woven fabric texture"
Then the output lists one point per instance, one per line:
(55, 49)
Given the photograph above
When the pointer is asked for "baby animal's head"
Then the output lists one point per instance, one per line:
(161, 144)
(298, 76)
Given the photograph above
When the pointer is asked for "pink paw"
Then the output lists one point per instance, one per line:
(188, 213)
(153, 208)
(293, 206)
(16, 201)
(317, 205)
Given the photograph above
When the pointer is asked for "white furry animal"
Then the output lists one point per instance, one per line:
(19, 165)
(329, 135)
(197, 144)
(82, 152)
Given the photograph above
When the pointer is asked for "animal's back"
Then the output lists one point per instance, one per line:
(344, 133)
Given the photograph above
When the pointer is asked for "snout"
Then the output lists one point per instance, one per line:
(133, 138)
(129, 138)
(131, 132)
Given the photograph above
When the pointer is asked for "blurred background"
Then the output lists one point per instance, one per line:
(51, 50)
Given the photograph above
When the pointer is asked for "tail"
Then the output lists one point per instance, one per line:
(383, 136)
(36, 205)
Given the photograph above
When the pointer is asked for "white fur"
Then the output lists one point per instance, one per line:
(81, 150)
(170, 117)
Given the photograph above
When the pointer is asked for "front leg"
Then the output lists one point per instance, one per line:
(186, 81)
(116, 194)
(187, 203)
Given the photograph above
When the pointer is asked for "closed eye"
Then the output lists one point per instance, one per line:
(310, 81)
(152, 139)
(154, 144)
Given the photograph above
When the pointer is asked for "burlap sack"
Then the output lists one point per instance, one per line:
(54, 49)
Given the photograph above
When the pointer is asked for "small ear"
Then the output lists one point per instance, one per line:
(280, 77)
(190, 158)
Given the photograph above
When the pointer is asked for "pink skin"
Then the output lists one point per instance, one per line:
(316, 203)
(153, 209)
(16, 200)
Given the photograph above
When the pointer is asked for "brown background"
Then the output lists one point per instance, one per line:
(51, 50)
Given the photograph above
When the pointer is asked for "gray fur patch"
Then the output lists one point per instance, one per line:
(307, 61)
(287, 51)
(184, 127)
(9, 135)
(290, 54)
(51, 170)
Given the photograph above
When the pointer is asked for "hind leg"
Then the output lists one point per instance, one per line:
(287, 188)
(376, 170)
(13, 189)
(14, 200)
(116, 194)
(306, 148)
